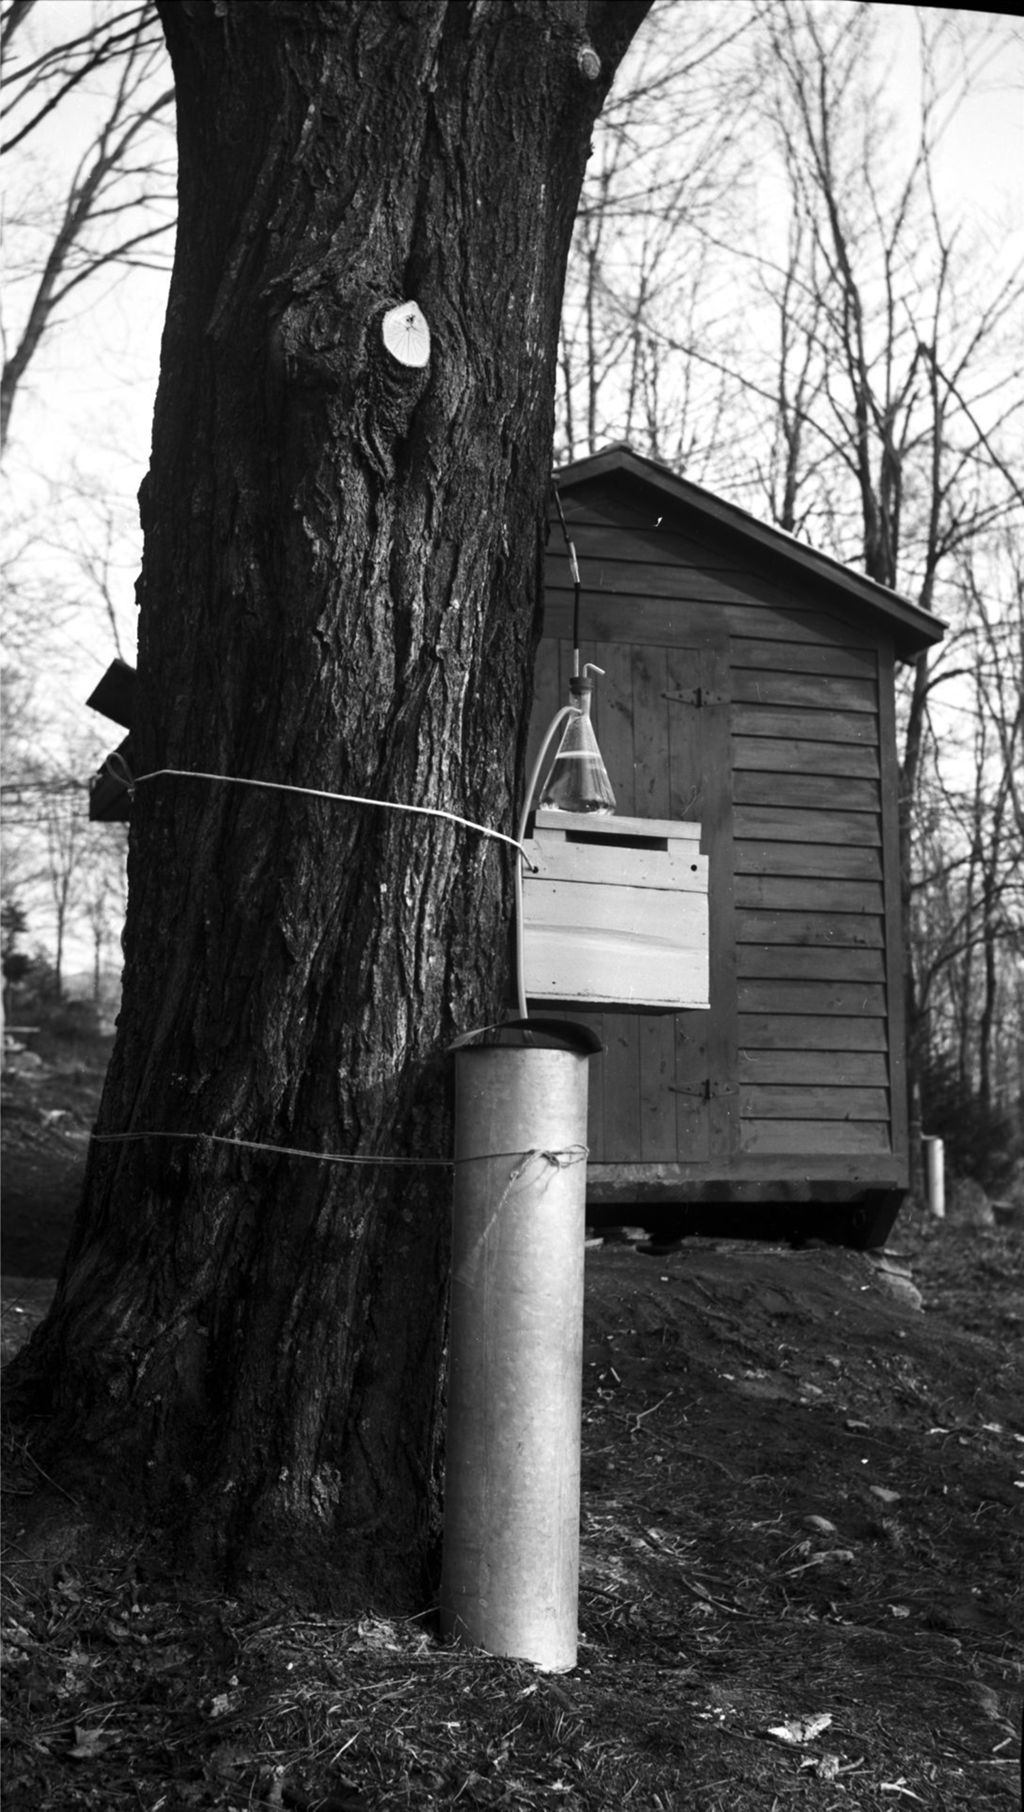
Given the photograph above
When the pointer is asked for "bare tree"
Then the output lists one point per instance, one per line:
(667, 151)
(53, 857)
(69, 566)
(967, 922)
(118, 205)
(104, 899)
(64, 823)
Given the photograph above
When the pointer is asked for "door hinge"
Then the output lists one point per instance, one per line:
(706, 1090)
(698, 697)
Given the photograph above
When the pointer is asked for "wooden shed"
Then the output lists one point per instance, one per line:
(749, 686)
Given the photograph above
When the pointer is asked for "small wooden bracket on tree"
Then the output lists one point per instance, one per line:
(114, 697)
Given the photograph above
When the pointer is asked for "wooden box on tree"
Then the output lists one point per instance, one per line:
(615, 912)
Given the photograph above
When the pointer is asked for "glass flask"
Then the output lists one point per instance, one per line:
(578, 781)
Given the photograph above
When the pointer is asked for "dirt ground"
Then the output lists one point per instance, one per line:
(801, 1579)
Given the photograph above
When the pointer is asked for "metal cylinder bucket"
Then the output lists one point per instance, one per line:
(935, 1175)
(510, 1577)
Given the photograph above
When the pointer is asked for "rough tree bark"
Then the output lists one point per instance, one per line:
(339, 590)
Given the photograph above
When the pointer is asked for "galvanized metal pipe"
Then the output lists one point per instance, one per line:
(935, 1175)
(511, 1549)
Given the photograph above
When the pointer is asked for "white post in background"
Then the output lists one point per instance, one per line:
(510, 1576)
(935, 1175)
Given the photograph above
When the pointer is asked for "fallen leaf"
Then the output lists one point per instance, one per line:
(884, 1495)
(988, 1700)
(222, 1704)
(821, 1524)
(226, 1761)
(825, 1767)
(801, 1730)
(845, 1555)
(378, 1633)
(91, 1743)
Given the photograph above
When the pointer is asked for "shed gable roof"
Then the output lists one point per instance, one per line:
(912, 629)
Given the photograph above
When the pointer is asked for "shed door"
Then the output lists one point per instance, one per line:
(653, 1097)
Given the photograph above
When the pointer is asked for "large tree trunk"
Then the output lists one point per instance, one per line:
(339, 591)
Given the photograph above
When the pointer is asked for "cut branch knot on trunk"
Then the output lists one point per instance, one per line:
(340, 343)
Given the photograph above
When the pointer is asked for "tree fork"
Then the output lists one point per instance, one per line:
(339, 591)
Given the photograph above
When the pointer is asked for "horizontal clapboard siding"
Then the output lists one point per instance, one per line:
(844, 861)
(785, 658)
(866, 999)
(806, 792)
(825, 1139)
(699, 608)
(791, 693)
(811, 1102)
(649, 560)
(831, 930)
(790, 723)
(774, 824)
(800, 893)
(742, 691)
(850, 1069)
(795, 755)
(812, 1000)
(823, 1033)
(826, 962)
